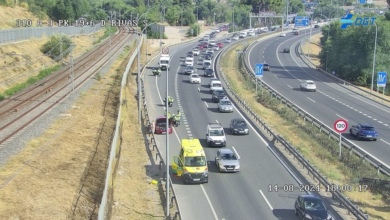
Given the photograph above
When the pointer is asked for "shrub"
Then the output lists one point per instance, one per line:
(53, 47)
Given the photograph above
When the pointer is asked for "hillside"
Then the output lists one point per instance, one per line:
(9, 15)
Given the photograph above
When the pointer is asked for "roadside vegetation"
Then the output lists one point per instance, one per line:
(314, 145)
(108, 30)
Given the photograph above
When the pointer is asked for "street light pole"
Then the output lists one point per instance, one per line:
(233, 18)
(181, 23)
(167, 150)
(373, 63)
(288, 2)
(197, 21)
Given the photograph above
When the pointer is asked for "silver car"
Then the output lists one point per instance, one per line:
(308, 85)
(227, 161)
(225, 105)
(189, 70)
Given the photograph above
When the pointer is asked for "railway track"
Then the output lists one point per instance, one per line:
(20, 110)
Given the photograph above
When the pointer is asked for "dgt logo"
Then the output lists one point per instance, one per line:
(359, 21)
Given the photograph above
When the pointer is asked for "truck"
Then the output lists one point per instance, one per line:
(191, 164)
(164, 61)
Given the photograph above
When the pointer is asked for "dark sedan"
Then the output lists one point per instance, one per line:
(311, 207)
(286, 50)
(218, 94)
(210, 54)
(266, 67)
(239, 126)
(209, 72)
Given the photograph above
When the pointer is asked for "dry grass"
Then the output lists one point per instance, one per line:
(27, 59)
(9, 15)
(61, 174)
(374, 206)
(314, 48)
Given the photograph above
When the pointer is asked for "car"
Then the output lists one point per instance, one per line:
(215, 135)
(227, 161)
(363, 131)
(207, 65)
(189, 61)
(282, 34)
(212, 42)
(215, 85)
(196, 52)
(205, 45)
(308, 85)
(161, 126)
(189, 70)
(190, 54)
(207, 58)
(210, 54)
(217, 30)
(218, 94)
(296, 33)
(220, 45)
(235, 37)
(211, 81)
(311, 207)
(239, 126)
(266, 67)
(195, 78)
(228, 40)
(286, 50)
(209, 72)
(225, 105)
(294, 30)
(316, 26)
(215, 47)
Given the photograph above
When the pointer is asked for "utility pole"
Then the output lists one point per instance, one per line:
(61, 47)
(233, 18)
(288, 2)
(71, 73)
(167, 150)
(139, 75)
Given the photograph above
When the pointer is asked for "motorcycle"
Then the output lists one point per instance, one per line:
(156, 72)
(169, 103)
(175, 120)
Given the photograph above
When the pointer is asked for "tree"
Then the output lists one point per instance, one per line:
(54, 47)
(296, 6)
(173, 15)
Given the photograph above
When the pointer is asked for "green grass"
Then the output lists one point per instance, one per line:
(18, 87)
(109, 30)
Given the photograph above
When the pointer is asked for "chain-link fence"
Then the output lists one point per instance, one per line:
(20, 34)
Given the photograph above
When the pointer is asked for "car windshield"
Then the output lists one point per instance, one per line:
(314, 205)
(220, 93)
(226, 103)
(228, 156)
(368, 128)
(217, 85)
(309, 83)
(265, 64)
(195, 76)
(195, 161)
(207, 64)
(216, 133)
(164, 61)
(190, 68)
(240, 123)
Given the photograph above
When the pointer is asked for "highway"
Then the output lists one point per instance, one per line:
(330, 102)
(242, 195)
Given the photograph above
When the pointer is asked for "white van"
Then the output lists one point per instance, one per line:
(189, 61)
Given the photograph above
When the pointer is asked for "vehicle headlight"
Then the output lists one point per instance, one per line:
(308, 216)
(329, 217)
(235, 129)
(238, 166)
(246, 129)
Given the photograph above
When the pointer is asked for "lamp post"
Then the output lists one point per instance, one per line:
(233, 18)
(373, 63)
(288, 2)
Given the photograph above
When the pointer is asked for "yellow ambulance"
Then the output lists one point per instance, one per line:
(191, 164)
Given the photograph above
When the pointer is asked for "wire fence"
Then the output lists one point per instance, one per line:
(28, 33)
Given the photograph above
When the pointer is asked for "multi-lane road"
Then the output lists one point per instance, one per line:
(242, 195)
(330, 102)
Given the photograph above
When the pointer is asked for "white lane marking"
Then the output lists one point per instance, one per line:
(266, 200)
(217, 121)
(275, 76)
(364, 114)
(238, 156)
(190, 135)
(369, 116)
(341, 117)
(206, 104)
(375, 119)
(198, 89)
(385, 124)
(311, 99)
(360, 112)
(385, 141)
(290, 86)
(380, 122)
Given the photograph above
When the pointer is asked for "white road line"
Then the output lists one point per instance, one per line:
(385, 124)
(369, 116)
(380, 122)
(341, 117)
(375, 119)
(311, 99)
(238, 156)
(290, 86)
(364, 114)
(385, 141)
(206, 104)
(266, 200)
(208, 200)
(275, 76)
(360, 112)
(217, 121)
(198, 89)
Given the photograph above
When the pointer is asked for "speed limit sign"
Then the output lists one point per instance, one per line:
(340, 125)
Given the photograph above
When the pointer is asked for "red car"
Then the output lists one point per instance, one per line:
(161, 125)
(220, 45)
(200, 47)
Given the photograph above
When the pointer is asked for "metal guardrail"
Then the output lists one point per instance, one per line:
(341, 82)
(113, 152)
(336, 194)
(379, 165)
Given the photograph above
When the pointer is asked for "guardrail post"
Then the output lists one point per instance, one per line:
(172, 198)
(154, 146)
(176, 214)
(157, 153)
(159, 165)
(320, 128)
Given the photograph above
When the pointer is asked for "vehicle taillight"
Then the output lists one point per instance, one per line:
(206, 169)
(185, 169)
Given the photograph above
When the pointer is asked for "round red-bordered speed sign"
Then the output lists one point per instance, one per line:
(340, 125)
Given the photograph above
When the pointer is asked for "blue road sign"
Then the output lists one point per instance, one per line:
(259, 70)
(362, 2)
(301, 21)
(381, 81)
